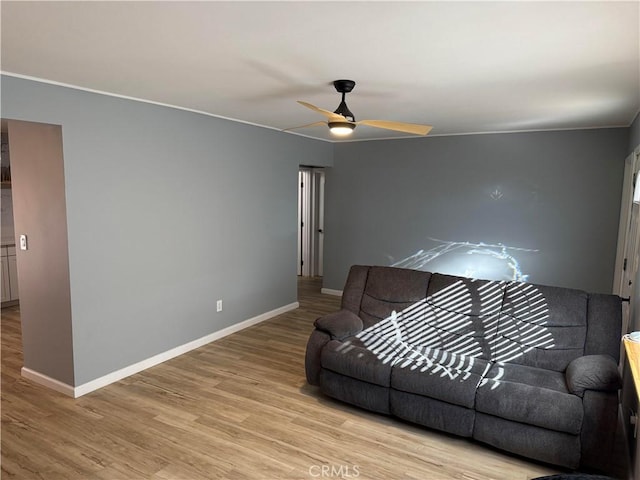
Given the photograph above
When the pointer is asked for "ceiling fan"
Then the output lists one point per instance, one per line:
(342, 122)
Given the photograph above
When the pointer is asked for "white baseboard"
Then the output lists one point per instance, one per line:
(329, 291)
(152, 361)
(46, 381)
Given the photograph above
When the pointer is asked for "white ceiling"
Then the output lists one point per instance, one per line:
(462, 67)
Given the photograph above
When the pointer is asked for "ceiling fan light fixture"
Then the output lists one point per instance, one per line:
(342, 122)
(341, 129)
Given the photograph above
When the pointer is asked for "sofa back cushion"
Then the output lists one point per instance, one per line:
(463, 314)
(605, 325)
(414, 313)
(354, 288)
(514, 322)
(390, 289)
(541, 326)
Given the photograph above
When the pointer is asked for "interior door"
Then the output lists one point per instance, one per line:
(630, 175)
(304, 222)
(310, 221)
(628, 258)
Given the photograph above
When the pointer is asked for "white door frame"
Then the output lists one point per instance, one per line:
(320, 249)
(622, 270)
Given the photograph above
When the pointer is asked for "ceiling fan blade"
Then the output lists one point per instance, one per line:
(334, 117)
(398, 126)
(315, 124)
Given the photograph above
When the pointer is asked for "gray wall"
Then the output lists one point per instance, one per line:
(554, 194)
(167, 212)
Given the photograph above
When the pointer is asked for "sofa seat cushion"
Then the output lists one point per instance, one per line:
(530, 395)
(441, 375)
(353, 359)
(557, 448)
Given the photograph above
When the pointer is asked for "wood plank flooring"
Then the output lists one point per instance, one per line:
(238, 408)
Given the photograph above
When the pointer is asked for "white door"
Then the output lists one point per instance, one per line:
(299, 255)
(627, 258)
(305, 222)
(310, 221)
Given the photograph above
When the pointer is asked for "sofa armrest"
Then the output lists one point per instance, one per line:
(340, 324)
(593, 372)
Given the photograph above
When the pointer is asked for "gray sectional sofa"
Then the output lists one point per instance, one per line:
(527, 368)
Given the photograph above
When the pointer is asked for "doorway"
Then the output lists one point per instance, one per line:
(311, 183)
(8, 259)
(42, 253)
(626, 285)
(628, 258)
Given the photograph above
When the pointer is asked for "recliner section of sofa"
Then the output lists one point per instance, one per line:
(527, 368)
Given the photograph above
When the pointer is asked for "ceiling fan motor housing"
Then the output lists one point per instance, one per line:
(345, 112)
(343, 87)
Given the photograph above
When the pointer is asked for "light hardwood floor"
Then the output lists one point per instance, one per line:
(238, 408)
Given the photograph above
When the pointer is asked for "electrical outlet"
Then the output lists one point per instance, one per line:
(219, 306)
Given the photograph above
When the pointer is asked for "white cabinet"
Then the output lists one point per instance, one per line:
(9, 273)
(6, 293)
(13, 272)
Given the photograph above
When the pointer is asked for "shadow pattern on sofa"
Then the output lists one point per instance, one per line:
(437, 334)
